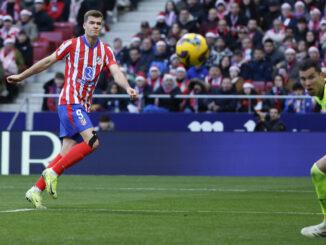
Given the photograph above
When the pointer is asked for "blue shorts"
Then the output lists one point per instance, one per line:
(73, 120)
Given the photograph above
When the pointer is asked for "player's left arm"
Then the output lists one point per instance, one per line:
(121, 80)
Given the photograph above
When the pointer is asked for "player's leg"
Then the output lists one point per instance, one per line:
(76, 123)
(34, 194)
(318, 174)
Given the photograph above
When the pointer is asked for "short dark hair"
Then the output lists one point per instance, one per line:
(134, 48)
(297, 86)
(273, 107)
(104, 118)
(59, 75)
(309, 63)
(269, 40)
(93, 13)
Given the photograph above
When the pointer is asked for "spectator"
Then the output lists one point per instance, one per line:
(27, 4)
(199, 71)
(214, 77)
(154, 79)
(55, 9)
(272, 14)
(224, 105)
(298, 105)
(161, 57)
(134, 64)
(155, 36)
(105, 123)
(225, 66)
(43, 21)
(254, 34)
(248, 7)
(270, 122)
(169, 86)
(240, 34)
(247, 47)
(311, 39)
(174, 63)
(261, 69)
(253, 104)
(237, 60)
(181, 80)
(273, 55)
(277, 33)
(218, 52)
(210, 23)
(196, 10)
(172, 43)
(146, 53)
(210, 39)
(221, 9)
(135, 42)
(114, 104)
(236, 79)
(277, 89)
(300, 11)
(196, 87)
(286, 15)
(53, 86)
(224, 32)
(24, 46)
(302, 51)
(187, 21)
(300, 30)
(145, 30)
(322, 34)
(27, 25)
(235, 17)
(313, 24)
(170, 13)
(175, 30)
(143, 89)
(118, 50)
(8, 28)
(290, 64)
(73, 10)
(12, 8)
(161, 24)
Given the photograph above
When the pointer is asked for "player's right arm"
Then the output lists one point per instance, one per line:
(34, 69)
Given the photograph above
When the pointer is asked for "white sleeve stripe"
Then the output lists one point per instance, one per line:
(64, 47)
(112, 54)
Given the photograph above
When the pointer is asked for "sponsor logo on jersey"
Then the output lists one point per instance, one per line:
(88, 73)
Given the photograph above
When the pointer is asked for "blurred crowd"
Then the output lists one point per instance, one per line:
(22, 22)
(255, 47)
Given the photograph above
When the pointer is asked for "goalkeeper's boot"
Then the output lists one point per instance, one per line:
(51, 182)
(315, 230)
(35, 198)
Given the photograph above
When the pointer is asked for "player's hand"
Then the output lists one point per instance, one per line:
(133, 93)
(14, 78)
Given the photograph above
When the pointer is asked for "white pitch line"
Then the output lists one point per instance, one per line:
(17, 210)
(166, 211)
(171, 189)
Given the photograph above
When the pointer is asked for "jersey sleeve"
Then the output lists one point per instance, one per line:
(109, 57)
(64, 49)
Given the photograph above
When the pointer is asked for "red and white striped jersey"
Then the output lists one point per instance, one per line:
(83, 67)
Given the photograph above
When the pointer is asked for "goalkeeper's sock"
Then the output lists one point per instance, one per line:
(40, 184)
(74, 155)
(319, 179)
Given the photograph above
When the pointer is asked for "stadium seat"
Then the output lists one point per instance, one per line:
(259, 86)
(54, 37)
(40, 49)
(66, 28)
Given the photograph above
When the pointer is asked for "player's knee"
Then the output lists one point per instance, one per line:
(94, 142)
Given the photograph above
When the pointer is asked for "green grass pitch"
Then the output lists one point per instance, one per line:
(161, 210)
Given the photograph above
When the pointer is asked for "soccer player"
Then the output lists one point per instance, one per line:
(85, 57)
(313, 79)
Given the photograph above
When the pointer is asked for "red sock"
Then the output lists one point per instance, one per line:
(74, 155)
(41, 183)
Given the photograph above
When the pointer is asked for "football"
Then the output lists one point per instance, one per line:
(192, 49)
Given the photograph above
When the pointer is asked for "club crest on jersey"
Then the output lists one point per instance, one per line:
(89, 72)
(99, 60)
(83, 121)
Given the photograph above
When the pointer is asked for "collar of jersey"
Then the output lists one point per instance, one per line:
(85, 41)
